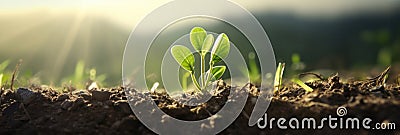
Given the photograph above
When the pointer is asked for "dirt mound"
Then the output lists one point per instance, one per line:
(85, 112)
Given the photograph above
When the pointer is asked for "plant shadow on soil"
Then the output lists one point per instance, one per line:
(37, 110)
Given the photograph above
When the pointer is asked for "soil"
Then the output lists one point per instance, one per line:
(36, 110)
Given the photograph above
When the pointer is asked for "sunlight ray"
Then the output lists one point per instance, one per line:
(66, 47)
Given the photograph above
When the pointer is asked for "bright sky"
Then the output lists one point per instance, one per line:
(129, 12)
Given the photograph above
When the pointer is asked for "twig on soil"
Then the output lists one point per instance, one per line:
(380, 79)
(15, 74)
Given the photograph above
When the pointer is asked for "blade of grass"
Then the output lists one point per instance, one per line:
(253, 69)
(14, 75)
(302, 84)
(278, 76)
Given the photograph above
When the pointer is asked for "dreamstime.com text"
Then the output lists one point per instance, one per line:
(330, 122)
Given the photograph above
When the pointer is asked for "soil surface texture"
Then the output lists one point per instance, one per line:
(36, 110)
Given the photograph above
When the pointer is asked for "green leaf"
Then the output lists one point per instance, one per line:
(184, 57)
(220, 49)
(217, 72)
(197, 36)
(207, 44)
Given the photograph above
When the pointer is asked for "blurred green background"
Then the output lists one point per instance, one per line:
(56, 38)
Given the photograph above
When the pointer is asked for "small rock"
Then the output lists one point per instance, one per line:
(100, 95)
(86, 97)
(77, 103)
(26, 95)
(62, 97)
(83, 93)
(66, 104)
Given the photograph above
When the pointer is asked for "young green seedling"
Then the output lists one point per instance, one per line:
(279, 76)
(202, 43)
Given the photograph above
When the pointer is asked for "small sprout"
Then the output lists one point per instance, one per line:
(155, 86)
(302, 84)
(84, 77)
(96, 80)
(254, 71)
(202, 43)
(279, 76)
(93, 86)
